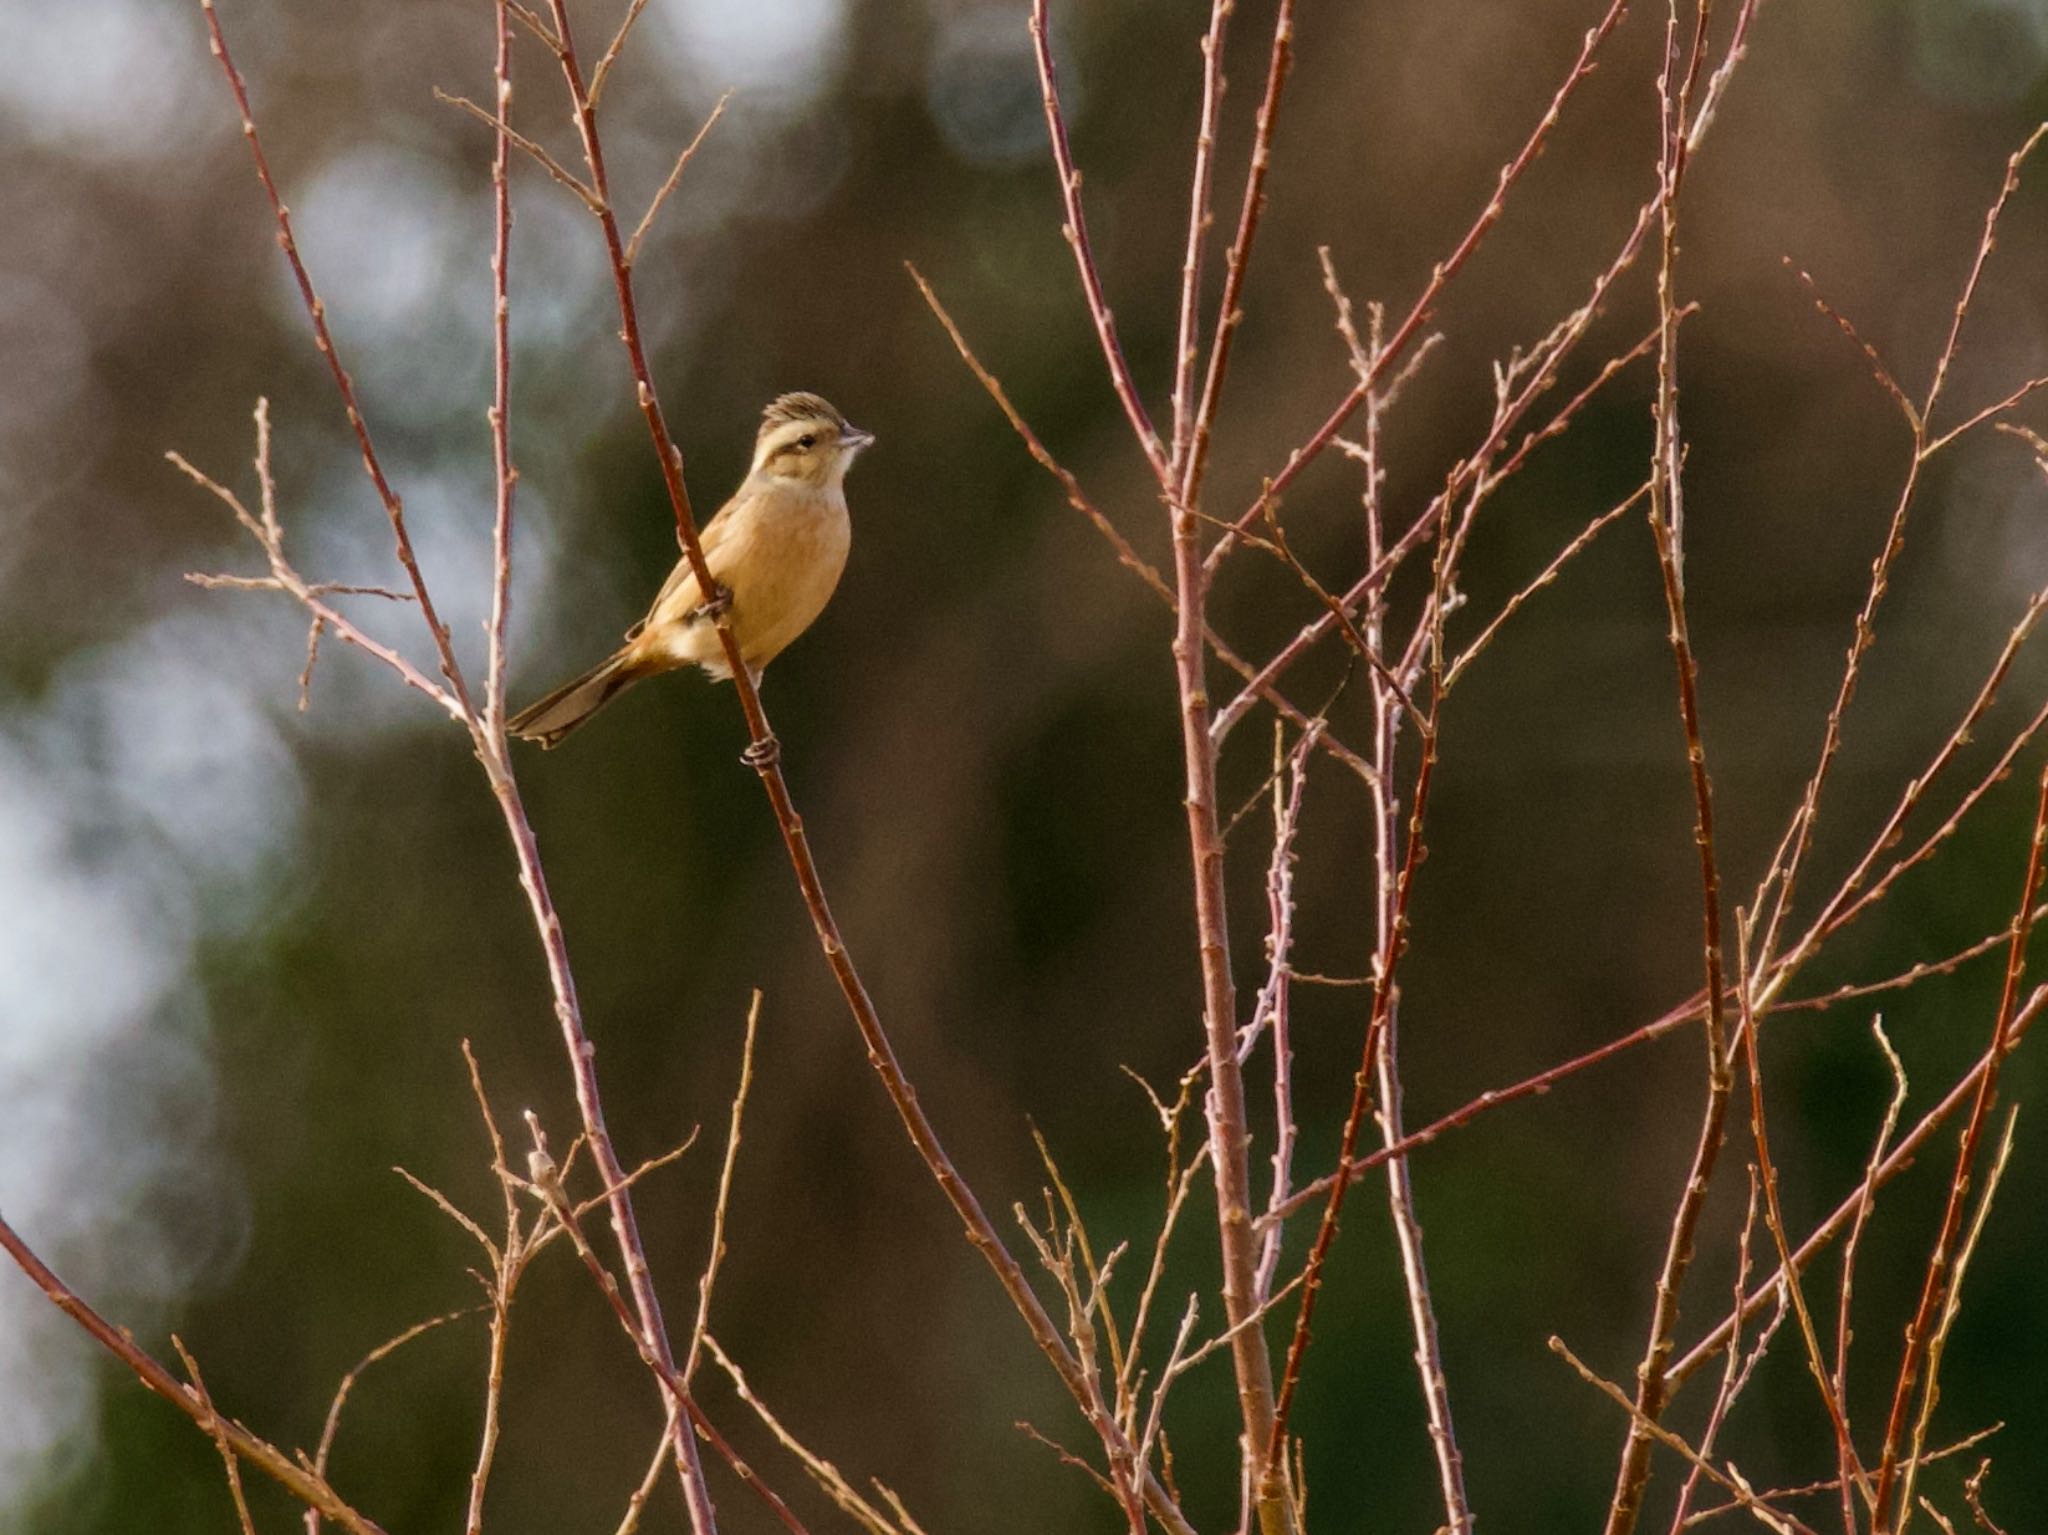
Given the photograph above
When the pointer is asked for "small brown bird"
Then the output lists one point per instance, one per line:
(777, 548)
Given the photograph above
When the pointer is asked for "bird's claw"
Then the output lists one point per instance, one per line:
(762, 754)
(714, 607)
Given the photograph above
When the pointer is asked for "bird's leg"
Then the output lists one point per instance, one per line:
(766, 752)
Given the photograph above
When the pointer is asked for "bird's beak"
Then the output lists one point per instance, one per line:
(853, 439)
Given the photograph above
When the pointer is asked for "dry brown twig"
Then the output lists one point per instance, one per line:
(1899, 1158)
(544, 1182)
(1729, 1479)
(1781, 876)
(1126, 555)
(1851, 1473)
(820, 1470)
(716, 1256)
(1833, 1484)
(1410, 329)
(1952, 1305)
(484, 727)
(229, 1462)
(1736, 1369)
(1973, 1494)
(331, 1427)
(1667, 525)
(1939, 1285)
(303, 1483)
(764, 756)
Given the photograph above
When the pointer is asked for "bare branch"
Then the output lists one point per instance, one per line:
(709, 1277)
(1126, 555)
(526, 146)
(219, 1437)
(1076, 232)
(603, 72)
(1770, 1518)
(822, 1471)
(307, 1486)
(316, 311)
(675, 175)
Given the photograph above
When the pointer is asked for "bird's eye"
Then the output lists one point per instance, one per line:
(807, 441)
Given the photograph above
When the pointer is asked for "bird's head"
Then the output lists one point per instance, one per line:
(805, 441)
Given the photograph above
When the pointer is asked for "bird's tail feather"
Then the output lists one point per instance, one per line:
(549, 719)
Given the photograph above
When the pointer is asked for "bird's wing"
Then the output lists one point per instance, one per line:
(712, 535)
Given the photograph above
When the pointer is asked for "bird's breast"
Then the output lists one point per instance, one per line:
(781, 558)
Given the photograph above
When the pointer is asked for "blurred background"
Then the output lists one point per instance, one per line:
(241, 943)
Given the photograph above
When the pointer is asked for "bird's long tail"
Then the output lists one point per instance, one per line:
(549, 719)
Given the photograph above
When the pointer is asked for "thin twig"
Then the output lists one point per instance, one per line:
(603, 73)
(1076, 231)
(822, 1471)
(630, 1520)
(1391, 947)
(1769, 1517)
(220, 1439)
(535, 152)
(1973, 1494)
(1548, 574)
(332, 1425)
(1900, 1158)
(1187, 345)
(503, 476)
(1667, 530)
(1126, 555)
(1192, 463)
(675, 175)
(1935, 1287)
(283, 577)
(1410, 327)
(725, 1172)
(1470, 475)
(1734, 1375)
(316, 311)
(1846, 1288)
(1783, 871)
(1852, 1475)
(307, 1486)
(546, 1183)
(1811, 1489)
(1951, 1307)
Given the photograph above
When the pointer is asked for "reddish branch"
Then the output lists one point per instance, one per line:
(1935, 1287)
(1849, 1469)
(1229, 1138)
(301, 1483)
(1410, 328)
(1896, 1161)
(1194, 461)
(1784, 868)
(1180, 484)
(394, 509)
(765, 757)
(490, 747)
(1187, 347)
(1076, 232)
(1666, 526)
(1393, 945)
(503, 475)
